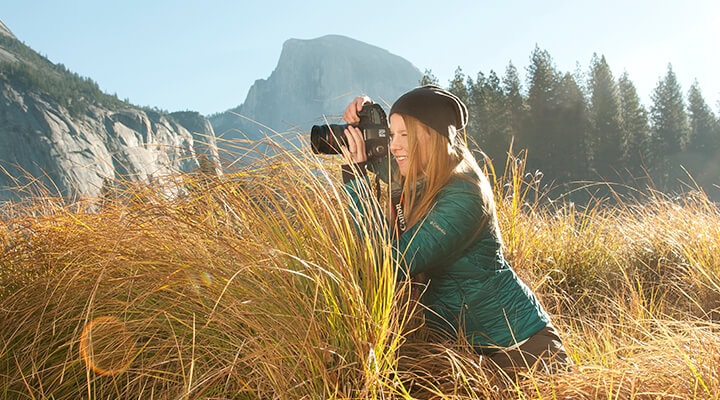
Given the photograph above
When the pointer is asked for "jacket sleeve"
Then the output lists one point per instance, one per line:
(454, 221)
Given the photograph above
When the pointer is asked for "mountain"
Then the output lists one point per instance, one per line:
(60, 130)
(315, 79)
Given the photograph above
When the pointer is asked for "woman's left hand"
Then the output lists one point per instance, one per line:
(354, 152)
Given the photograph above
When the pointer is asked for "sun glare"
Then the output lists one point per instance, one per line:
(106, 346)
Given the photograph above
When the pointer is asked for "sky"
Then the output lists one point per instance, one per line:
(204, 55)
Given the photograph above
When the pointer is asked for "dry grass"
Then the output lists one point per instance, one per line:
(255, 285)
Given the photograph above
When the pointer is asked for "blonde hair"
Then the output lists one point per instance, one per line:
(444, 161)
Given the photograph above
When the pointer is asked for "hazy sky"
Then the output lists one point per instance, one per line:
(205, 55)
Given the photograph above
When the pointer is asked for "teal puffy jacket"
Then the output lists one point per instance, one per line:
(471, 288)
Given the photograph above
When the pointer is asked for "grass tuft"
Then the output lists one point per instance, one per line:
(255, 285)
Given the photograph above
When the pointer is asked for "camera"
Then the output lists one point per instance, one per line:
(327, 139)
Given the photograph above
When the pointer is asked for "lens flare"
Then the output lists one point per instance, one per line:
(106, 346)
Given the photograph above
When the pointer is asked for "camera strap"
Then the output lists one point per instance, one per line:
(399, 213)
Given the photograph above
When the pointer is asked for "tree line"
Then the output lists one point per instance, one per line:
(67, 88)
(591, 126)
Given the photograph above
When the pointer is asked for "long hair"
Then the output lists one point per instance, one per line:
(445, 160)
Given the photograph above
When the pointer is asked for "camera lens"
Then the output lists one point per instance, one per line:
(327, 139)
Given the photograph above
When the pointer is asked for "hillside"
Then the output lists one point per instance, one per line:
(61, 133)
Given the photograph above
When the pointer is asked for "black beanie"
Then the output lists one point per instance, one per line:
(433, 106)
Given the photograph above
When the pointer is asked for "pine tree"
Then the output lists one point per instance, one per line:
(634, 126)
(704, 127)
(538, 135)
(670, 129)
(490, 116)
(607, 148)
(502, 120)
(478, 112)
(568, 157)
(428, 78)
(458, 85)
(514, 101)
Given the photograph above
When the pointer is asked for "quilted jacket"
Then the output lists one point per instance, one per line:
(471, 288)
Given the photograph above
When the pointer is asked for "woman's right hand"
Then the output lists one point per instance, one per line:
(351, 112)
(354, 151)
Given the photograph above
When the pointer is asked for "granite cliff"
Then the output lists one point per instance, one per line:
(313, 80)
(61, 131)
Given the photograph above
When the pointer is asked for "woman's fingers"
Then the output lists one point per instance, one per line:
(351, 111)
(355, 149)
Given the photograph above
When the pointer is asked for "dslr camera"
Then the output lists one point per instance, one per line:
(327, 139)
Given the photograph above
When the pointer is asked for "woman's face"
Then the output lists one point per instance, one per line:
(400, 148)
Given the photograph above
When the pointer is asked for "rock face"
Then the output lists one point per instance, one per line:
(74, 154)
(315, 79)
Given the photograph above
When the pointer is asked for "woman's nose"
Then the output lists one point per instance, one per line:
(393, 142)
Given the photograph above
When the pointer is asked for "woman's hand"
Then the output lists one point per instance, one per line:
(350, 116)
(354, 152)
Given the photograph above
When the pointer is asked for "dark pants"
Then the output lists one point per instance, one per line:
(541, 351)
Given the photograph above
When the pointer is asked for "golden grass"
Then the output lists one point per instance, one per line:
(256, 285)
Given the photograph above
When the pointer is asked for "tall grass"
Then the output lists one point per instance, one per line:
(256, 285)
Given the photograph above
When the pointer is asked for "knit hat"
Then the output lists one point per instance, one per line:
(433, 106)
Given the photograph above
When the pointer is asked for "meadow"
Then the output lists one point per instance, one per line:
(256, 285)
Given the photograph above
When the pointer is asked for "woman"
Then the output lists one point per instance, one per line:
(443, 214)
